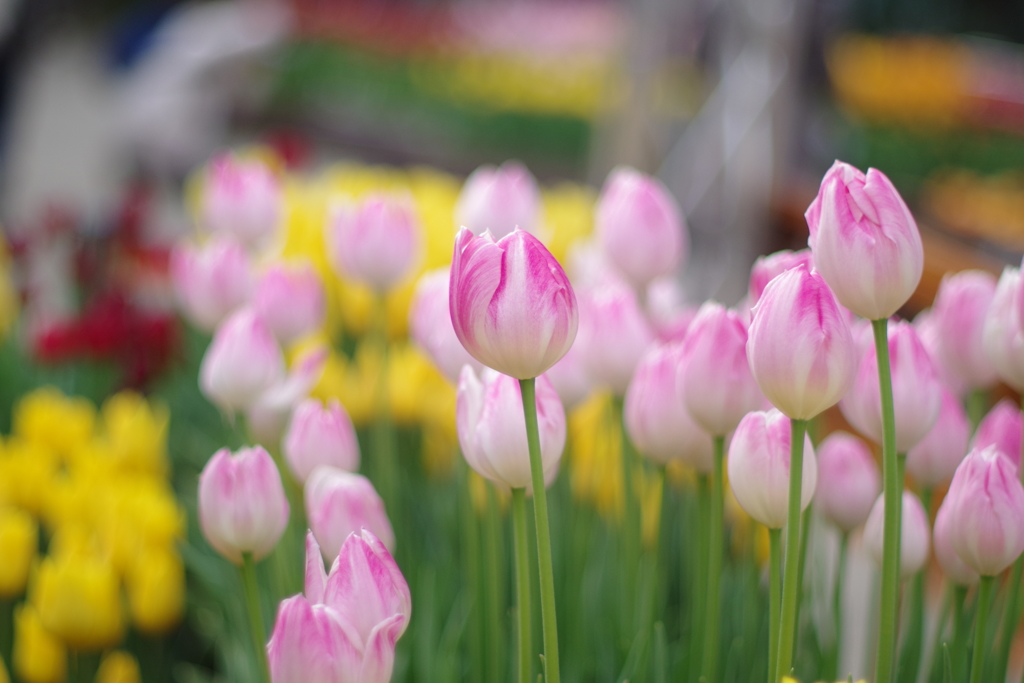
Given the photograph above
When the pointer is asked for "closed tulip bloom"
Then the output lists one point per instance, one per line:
(430, 324)
(492, 432)
(155, 586)
(339, 503)
(570, 378)
(375, 242)
(499, 200)
(290, 299)
(242, 505)
(1001, 428)
(320, 435)
(952, 566)
(19, 544)
(1003, 332)
(865, 241)
(960, 307)
(269, 416)
(987, 517)
(914, 534)
(78, 599)
(935, 458)
(211, 281)
(639, 226)
(848, 480)
(511, 304)
(39, 656)
(613, 335)
(916, 390)
(656, 417)
(241, 198)
(928, 332)
(118, 667)
(241, 363)
(759, 467)
(767, 268)
(800, 347)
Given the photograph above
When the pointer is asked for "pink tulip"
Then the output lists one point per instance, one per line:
(241, 363)
(1001, 428)
(987, 515)
(767, 268)
(914, 534)
(865, 241)
(376, 241)
(656, 417)
(339, 503)
(492, 432)
(210, 281)
(242, 505)
(320, 436)
(241, 198)
(800, 347)
(430, 324)
(613, 335)
(759, 467)
(511, 304)
(290, 299)
(667, 310)
(499, 200)
(1003, 332)
(570, 378)
(959, 311)
(345, 628)
(928, 332)
(916, 390)
(639, 226)
(268, 417)
(935, 458)
(848, 480)
(952, 566)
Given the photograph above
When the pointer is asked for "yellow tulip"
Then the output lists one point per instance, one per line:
(27, 470)
(78, 598)
(137, 432)
(39, 657)
(118, 667)
(4, 678)
(156, 591)
(595, 457)
(48, 417)
(19, 541)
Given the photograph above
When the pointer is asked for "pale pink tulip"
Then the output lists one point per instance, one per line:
(935, 458)
(320, 435)
(928, 332)
(499, 200)
(268, 417)
(914, 534)
(570, 378)
(211, 281)
(613, 335)
(1003, 332)
(848, 480)
(958, 313)
(376, 241)
(1001, 428)
(952, 566)
(241, 363)
(767, 268)
(241, 198)
(339, 503)
(430, 324)
(290, 299)
(669, 314)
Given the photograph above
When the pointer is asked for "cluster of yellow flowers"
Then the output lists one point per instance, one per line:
(94, 485)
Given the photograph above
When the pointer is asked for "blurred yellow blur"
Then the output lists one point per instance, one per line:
(118, 667)
(19, 542)
(39, 656)
(78, 599)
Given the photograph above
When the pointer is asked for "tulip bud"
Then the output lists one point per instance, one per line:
(669, 314)
(430, 323)
(987, 515)
(656, 417)
(339, 503)
(78, 599)
(241, 198)
(914, 534)
(848, 480)
(959, 311)
(241, 363)
(639, 226)
(1003, 332)
(268, 417)
(511, 304)
(375, 242)
(916, 390)
(800, 347)
(570, 378)
(759, 467)
(39, 656)
(935, 458)
(499, 200)
(928, 332)
(242, 505)
(290, 299)
(211, 281)
(19, 543)
(118, 667)
(613, 336)
(767, 268)
(492, 432)
(1001, 428)
(952, 566)
(320, 436)
(861, 220)
(156, 591)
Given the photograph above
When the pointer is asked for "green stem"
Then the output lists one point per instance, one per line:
(910, 655)
(977, 403)
(1010, 619)
(631, 527)
(892, 490)
(252, 603)
(471, 558)
(493, 540)
(522, 551)
(716, 531)
(787, 628)
(832, 670)
(959, 650)
(774, 600)
(939, 641)
(383, 431)
(540, 510)
(805, 534)
(699, 586)
(980, 624)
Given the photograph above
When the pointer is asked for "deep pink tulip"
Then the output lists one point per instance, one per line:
(1001, 428)
(865, 241)
(492, 432)
(268, 417)
(987, 517)
(570, 378)
(952, 566)
(759, 467)
(241, 363)
(639, 226)
(1003, 332)
(800, 347)
(241, 198)
(656, 417)
(959, 311)
(376, 241)
(916, 390)
(320, 435)
(499, 200)
(242, 505)
(613, 335)
(210, 281)
(511, 304)
(767, 268)
(935, 458)
(430, 324)
(848, 480)
(339, 503)
(290, 299)
(914, 534)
